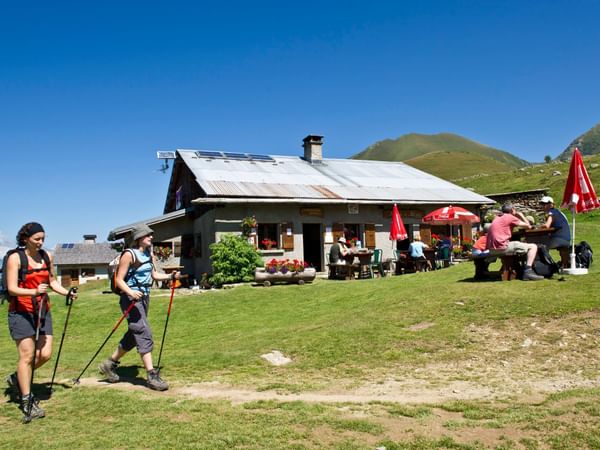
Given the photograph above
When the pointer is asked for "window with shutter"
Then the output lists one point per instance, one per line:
(287, 236)
(337, 231)
(426, 234)
(370, 235)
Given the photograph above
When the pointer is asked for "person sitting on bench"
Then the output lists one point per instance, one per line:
(500, 232)
(560, 239)
(415, 248)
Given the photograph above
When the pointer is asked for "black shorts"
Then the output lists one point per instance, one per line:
(22, 324)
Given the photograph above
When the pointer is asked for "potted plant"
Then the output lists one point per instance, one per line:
(267, 244)
(284, 270)
(249, 225)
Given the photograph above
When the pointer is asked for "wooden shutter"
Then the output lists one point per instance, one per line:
(177, 249)
(337, 231)
(287, 241)
(425, 232)
(467, 232)
(369, 235)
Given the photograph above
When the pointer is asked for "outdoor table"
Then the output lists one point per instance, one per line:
(532, 235)
(364, 262)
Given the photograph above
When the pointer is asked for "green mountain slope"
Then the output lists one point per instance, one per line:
(588, 143)
(533, 177)
(411, 146)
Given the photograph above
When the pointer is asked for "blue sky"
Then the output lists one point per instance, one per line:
(89, 92)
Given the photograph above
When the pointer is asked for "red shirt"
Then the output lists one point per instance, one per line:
(33, 279)
(481, 243)
(500, 231)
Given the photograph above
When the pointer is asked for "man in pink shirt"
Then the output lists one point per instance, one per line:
(500, 232)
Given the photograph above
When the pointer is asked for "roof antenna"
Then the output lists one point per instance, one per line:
(165, 156)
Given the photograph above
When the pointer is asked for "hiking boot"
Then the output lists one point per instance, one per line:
(13, 382)
(31, 408)
(108, 368)
(530, 275)
(156, 382)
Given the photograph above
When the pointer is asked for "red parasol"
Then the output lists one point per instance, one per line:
(397, 230)
(579, 184)
(579, 196)
(450, 215)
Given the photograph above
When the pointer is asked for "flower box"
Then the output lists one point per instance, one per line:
(261, 276)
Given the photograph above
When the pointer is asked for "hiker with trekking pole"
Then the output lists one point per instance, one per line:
(135, 273)
(28, 275)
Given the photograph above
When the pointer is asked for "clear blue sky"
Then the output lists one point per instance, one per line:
(89, 92)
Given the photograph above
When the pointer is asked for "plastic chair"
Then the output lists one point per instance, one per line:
(442, 258)
(377, 263)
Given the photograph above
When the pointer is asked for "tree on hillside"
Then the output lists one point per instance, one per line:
(547, 158)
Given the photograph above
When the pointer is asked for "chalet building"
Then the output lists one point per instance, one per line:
(301, 204)
(78, 263)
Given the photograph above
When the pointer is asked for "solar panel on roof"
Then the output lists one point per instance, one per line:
(260, 157)
(165, 155)
(208, 154)
(235, 155)
(67, 245)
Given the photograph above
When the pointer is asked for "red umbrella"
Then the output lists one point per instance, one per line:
(397, 230)
(450, 215)
(579, 185)
(579, 196)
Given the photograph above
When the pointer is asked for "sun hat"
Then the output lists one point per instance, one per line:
(342, 239)
(140, 230)
(546, 199)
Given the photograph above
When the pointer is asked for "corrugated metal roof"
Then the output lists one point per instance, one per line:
(100, 253)
(289, 177)
(119, 232)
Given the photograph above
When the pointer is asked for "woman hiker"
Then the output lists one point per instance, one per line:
(27, 289)
(135, 274)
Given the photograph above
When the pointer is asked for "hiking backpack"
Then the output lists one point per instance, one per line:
(24, 264)
(113, 268)
(584, 255)
(544, 265)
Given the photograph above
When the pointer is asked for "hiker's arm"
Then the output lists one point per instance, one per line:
(12, 280)
(54, 284)
(161, 276)
(124, 264)
(548, 223)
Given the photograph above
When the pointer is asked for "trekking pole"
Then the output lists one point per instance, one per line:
(129, 308)
(69, 303)
(166, 323)
(27, 416)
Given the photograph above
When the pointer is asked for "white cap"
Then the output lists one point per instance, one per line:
(342, 240)
(546, 199)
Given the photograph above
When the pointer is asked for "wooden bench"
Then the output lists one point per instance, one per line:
(339, 271)
(482, 263)
(512, 264)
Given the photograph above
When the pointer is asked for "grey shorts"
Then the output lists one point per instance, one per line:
(22, 325)
(139, 333)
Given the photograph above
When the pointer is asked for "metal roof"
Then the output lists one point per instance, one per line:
(121, 231)
(100, 253)
(289, 177)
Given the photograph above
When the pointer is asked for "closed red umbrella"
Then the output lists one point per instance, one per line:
(397, 229)
(579, 196)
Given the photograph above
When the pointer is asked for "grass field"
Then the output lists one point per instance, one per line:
(429, 360)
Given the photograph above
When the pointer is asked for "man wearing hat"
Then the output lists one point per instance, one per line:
(338, 251)
(560, 238)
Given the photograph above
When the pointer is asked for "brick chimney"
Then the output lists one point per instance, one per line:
(313, 149)
(89, 238)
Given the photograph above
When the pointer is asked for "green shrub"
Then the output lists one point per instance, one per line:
(233, 260)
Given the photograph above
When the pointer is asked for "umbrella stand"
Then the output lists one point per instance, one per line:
(574, 270)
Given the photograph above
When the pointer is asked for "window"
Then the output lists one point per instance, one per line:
(187, 246)
(352, 232)
(162, 250)
(268, 236)
(88, 272)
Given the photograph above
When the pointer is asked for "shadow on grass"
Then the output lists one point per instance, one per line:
(130, 374)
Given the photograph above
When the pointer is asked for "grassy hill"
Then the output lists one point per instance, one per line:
(588, 143)
(531, 177)
(440, 154)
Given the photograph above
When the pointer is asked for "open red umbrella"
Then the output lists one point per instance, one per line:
(397, 229)
(450, 215)
(579, 196)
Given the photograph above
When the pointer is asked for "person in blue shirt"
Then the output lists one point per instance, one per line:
(416, 253)
(560, 238)
(134, 277)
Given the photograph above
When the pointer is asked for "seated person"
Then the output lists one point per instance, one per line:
(338, 251)
(416, 252)
(561, 236)
(480, 245)
(500, 233)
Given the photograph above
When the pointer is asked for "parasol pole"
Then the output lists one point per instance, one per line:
(574, 270)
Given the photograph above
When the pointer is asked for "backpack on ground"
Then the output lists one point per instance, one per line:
(544, 265)
(113, 268)
(584, 256)
(24, 264)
